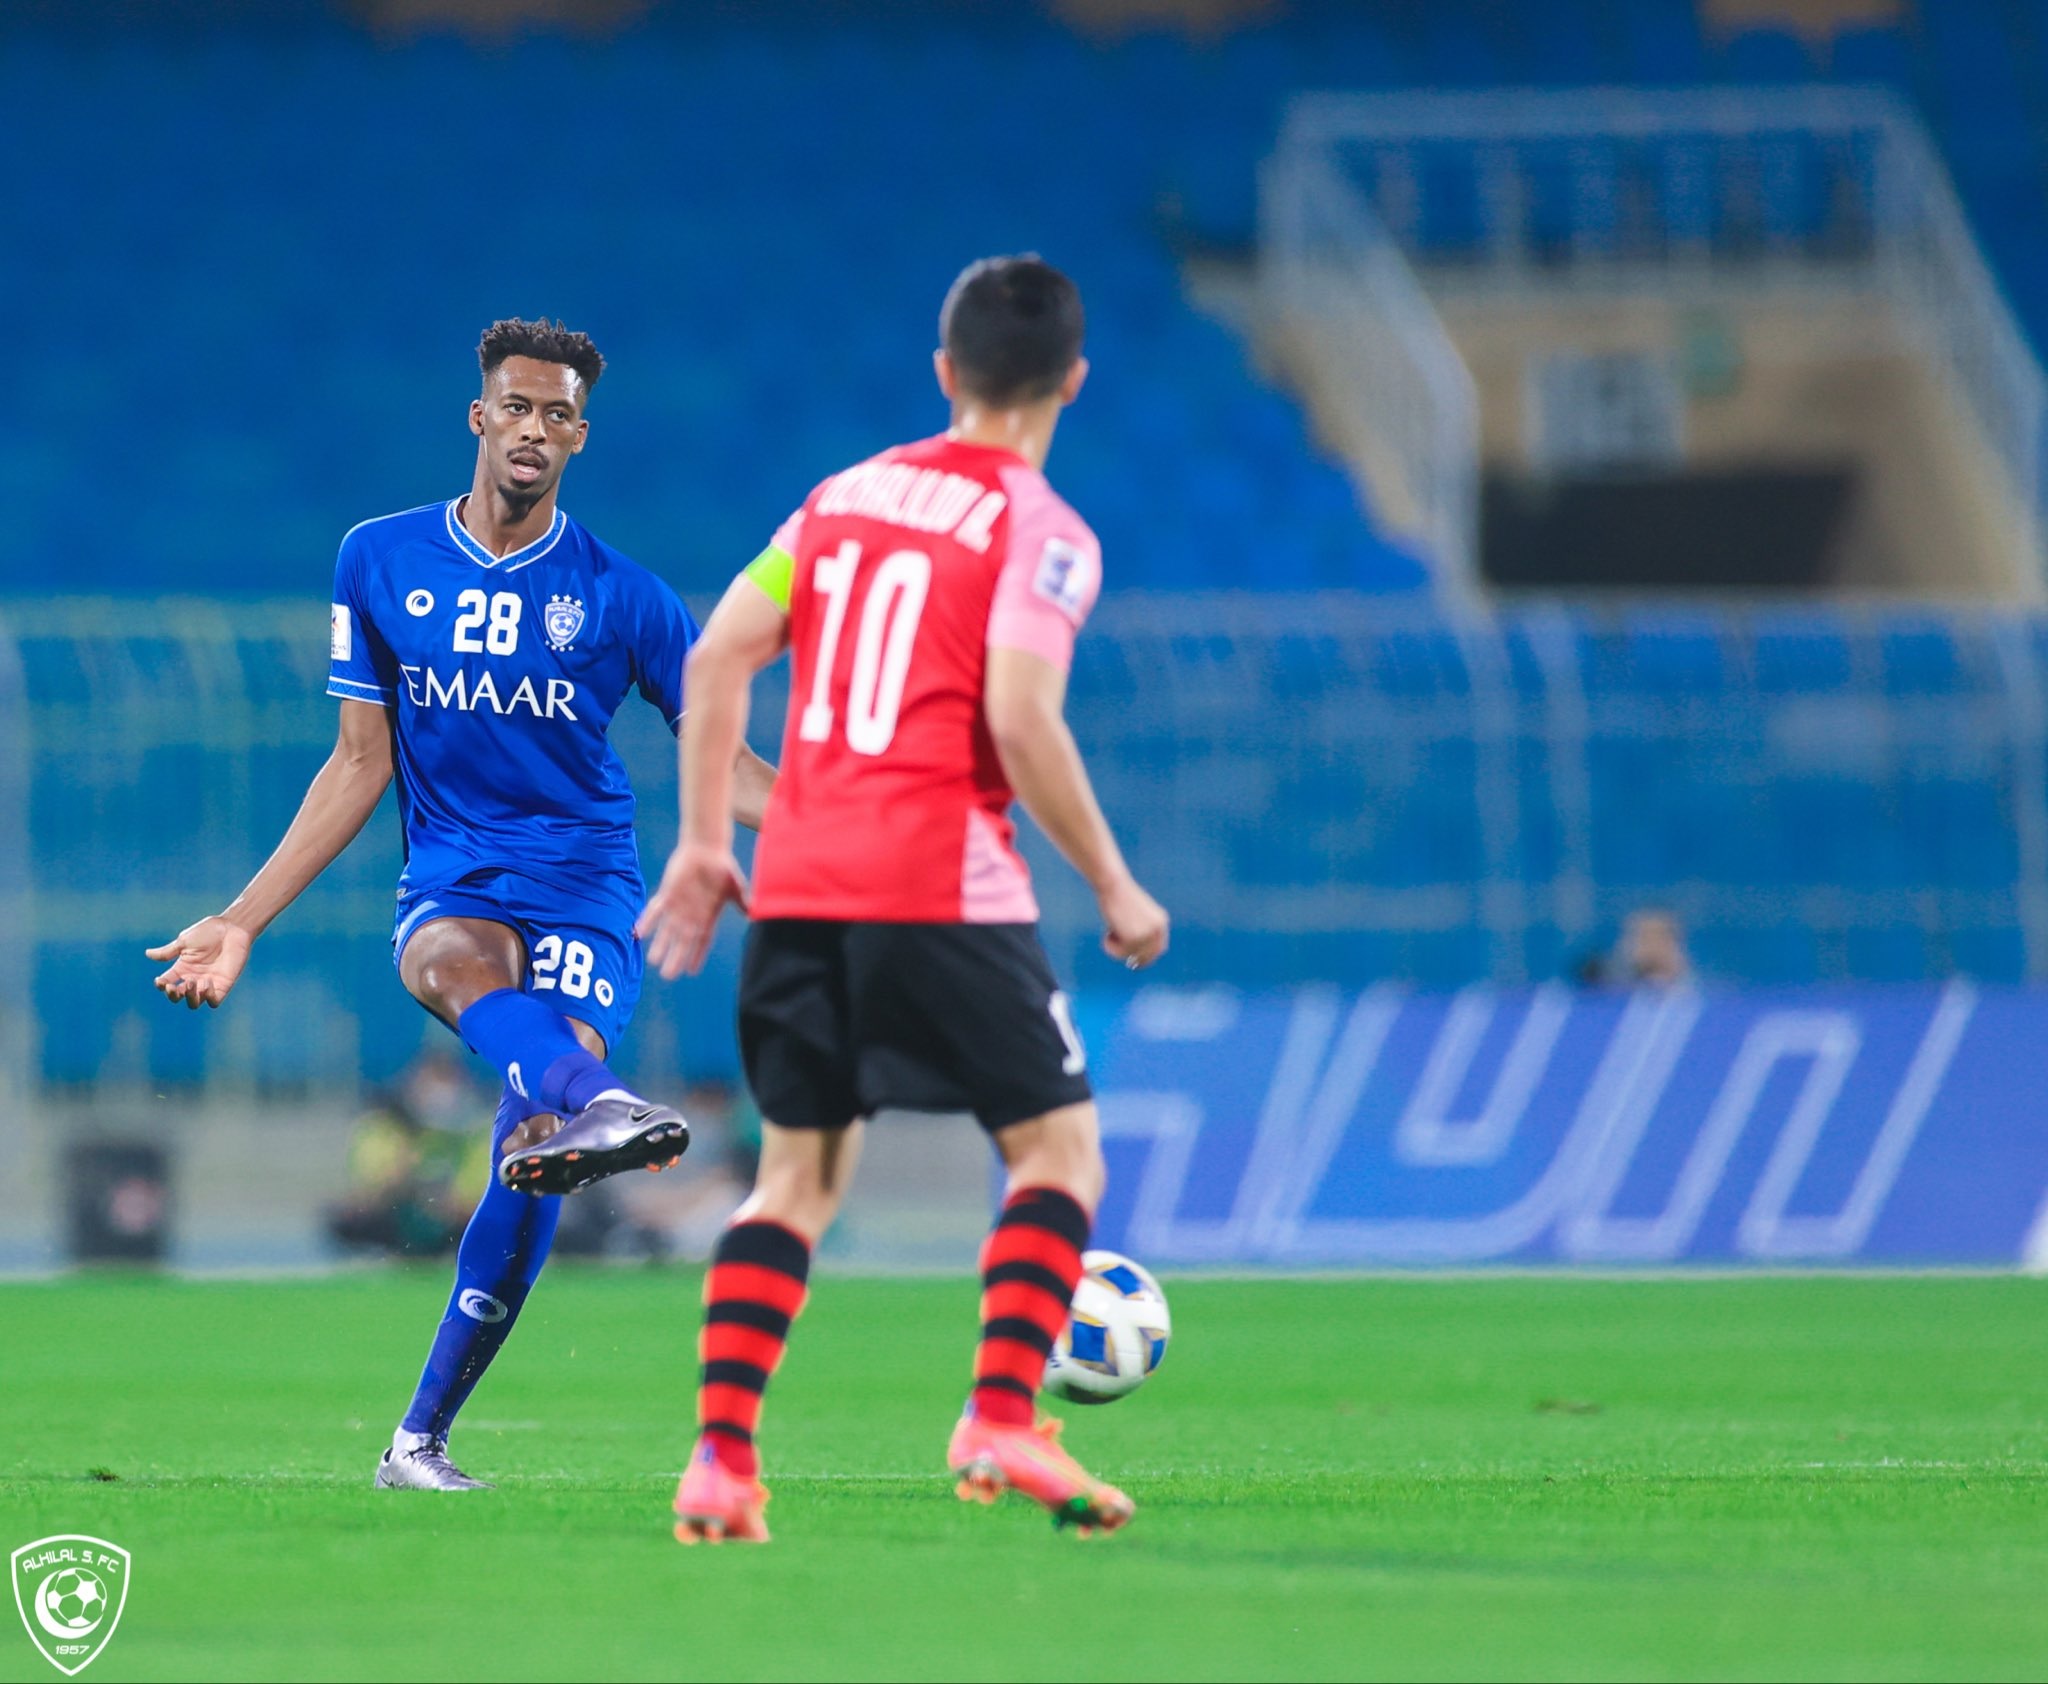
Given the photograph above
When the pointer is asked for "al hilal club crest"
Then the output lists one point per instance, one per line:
(71, 1590)
(562, 619)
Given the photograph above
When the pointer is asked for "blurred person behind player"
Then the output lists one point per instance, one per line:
(480, 648)
(1652, 953)
(1653, 950)
(417, 1164)
(930, 598)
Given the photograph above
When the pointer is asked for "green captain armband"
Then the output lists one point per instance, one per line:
(774, 570)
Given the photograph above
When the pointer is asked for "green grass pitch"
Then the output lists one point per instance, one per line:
(1517, 1477)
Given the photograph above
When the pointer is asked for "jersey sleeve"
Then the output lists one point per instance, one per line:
(1051, 576)
(663, 630)
(360, 666)
(774, 569)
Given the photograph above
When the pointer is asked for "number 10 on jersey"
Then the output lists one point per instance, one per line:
(881, 648)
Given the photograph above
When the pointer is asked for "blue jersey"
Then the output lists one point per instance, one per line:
(504, 674)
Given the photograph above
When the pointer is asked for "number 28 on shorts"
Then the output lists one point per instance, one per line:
(567, 966)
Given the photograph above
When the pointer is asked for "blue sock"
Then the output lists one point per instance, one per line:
(536, 1051)
(496, 1265)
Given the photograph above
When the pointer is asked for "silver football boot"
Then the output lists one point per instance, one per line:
(417, 1462)
(607, 1137)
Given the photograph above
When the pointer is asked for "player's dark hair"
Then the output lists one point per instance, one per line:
(1012, 326)
(544, 341)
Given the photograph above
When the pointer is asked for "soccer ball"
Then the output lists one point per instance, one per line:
(76, 1599)
(1115, 1335)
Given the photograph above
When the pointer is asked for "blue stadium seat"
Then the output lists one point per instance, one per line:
(1445, 959)
(1566, 48)
(1958, 833)
(1429, 662)
(1674, 654)
(1793, 653)
(1825, 828)
(1795, 188)
(1873, 54)
(1785, 953)
(1989, 955)
(1973, 52)
(1891, 953)
(1766, 57)
(1573, 199)
(1922, 659)
(1344, 45)
(1461, 48)
(1662, 41)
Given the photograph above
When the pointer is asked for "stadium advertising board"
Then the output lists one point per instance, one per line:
(1323, 1128)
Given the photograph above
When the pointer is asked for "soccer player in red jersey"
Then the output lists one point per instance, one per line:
(930, 598)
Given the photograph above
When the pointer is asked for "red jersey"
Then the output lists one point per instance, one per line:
(890, 804)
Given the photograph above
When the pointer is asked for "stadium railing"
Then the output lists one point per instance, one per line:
(1323, 789)
(1682, 189)
(1328, 788)
(1363, 339)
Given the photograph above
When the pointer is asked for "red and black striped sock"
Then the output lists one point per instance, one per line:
(752, 1294)
(1029, 1266)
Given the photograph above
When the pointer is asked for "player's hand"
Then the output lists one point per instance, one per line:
(206, 959)
(1134, 925)
(677, 926)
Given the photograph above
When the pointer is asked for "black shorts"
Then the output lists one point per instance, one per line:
(840, 1020)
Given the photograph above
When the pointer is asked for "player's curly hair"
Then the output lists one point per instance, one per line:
(544, 341)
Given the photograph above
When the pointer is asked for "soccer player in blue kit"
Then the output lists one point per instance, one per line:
(479, 650)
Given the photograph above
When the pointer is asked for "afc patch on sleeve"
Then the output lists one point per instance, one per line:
(341, 641)
(1062, 578)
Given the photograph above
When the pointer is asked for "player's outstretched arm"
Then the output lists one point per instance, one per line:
(748, 630)
(206, 958)
(1024, 699)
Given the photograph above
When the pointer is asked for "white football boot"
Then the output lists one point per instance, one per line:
(418, 1462)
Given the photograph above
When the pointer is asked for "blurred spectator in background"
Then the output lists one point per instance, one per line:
(1651, 954)
(417, 1161)
(681, 1216)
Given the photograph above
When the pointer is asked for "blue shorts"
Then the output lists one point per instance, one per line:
(584, 969)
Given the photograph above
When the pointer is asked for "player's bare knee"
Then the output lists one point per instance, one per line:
(451, 963)
(1077, 1171)
(1061, 1149)
(804, 1207)
(803, 1177)
(449, 985)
